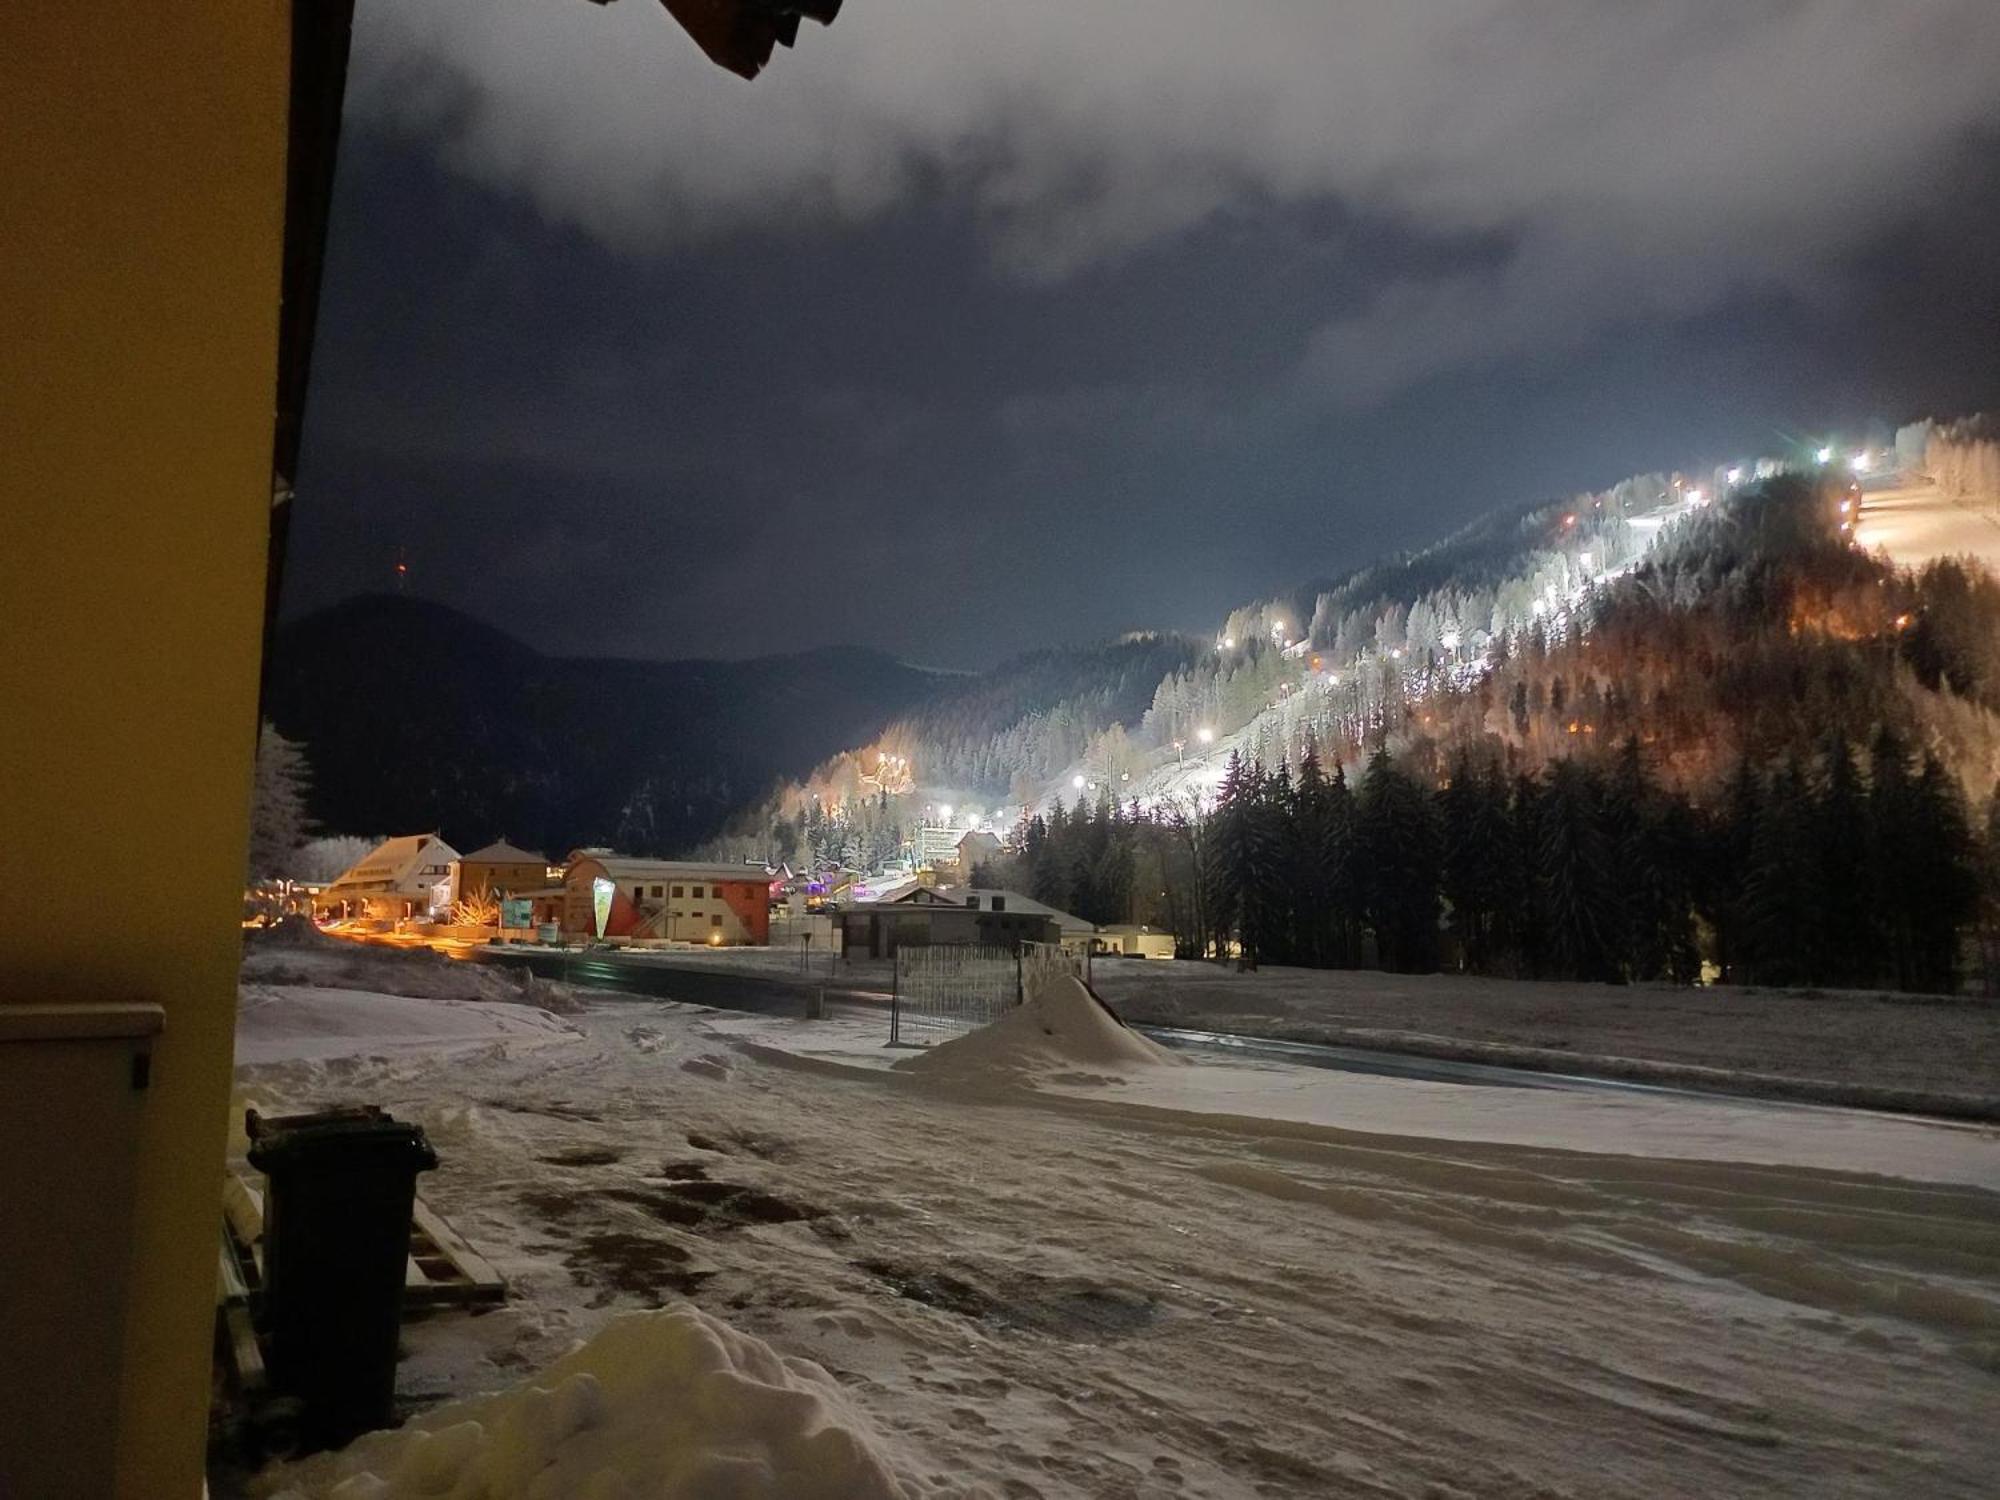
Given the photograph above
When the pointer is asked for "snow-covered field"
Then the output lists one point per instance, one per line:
(1885, 1042)
(1024, 1281)
(1917, 522)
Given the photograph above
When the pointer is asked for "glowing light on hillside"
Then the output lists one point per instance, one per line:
(1825, 455)
(1205, 735)
(1734, 476)
(1077, 782)
(944, 811)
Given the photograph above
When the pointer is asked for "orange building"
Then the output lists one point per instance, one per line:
(609, 895)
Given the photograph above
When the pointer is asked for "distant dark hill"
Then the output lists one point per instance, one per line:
(415, 716)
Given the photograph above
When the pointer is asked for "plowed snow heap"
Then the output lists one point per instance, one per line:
(668, 1405)
(1060, 1027)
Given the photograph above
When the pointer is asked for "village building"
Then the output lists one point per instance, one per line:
(976, 847)
(957, 915)
(399, 878)
(609, 895)
(500, 870)
(1132, 940)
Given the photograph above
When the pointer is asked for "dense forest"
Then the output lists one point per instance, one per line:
(1837, 871)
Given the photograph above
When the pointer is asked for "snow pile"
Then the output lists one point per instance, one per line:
(282, 1023)
(669, 1405)
(1059, 1029)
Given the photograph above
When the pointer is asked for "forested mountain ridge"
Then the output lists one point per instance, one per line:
(414, 716)
(1765, 755)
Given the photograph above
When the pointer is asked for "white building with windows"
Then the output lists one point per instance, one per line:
(401, 877)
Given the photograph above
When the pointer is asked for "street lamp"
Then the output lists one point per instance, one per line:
(1205, 735)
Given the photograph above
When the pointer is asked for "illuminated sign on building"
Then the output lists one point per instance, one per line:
(601, 892)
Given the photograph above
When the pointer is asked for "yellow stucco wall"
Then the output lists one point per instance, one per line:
(142, 156)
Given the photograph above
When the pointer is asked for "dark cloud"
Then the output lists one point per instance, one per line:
(1636, 158)
(987, 326)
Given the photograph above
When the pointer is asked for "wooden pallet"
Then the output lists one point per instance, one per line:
(443, 1270)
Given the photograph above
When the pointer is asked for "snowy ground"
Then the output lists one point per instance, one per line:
(1884, 1042)
(1915, 523)
(1101, 1290)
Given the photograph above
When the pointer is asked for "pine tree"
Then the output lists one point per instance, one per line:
(1723, 889)
(1521, 932)
(1846, 943)
(1782, 892)
(1402, 854)
(1943, 890)
(1339, 857)
(1229, 853)
(1892, 817)
(1989, 893)
(1574, 865)
(1270, 872)
(277, 804)
(1473, 814)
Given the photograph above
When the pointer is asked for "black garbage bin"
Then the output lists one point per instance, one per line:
(336, 1243)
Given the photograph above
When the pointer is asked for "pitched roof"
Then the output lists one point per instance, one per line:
(1018, 902)
(500, 852)
(393, 861)
(621, 867)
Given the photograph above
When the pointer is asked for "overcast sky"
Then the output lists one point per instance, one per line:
(971, 327)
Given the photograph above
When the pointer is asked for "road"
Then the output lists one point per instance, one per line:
(704, 982)
(1914, 523)
(717, 985)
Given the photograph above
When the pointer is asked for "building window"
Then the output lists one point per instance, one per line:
(697, 891)
(999, 903)
(658, 891)
(715, 920)
(973, 902)
(678, 893)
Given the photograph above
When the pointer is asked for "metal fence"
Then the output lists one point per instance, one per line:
(1045, 960)
(948, 989)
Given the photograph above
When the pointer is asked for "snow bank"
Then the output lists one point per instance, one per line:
(284, 1023)
(670, 1405)
(1060, 1028)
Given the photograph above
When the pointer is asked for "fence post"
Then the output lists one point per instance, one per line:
(1020, 995)
(895, 1000)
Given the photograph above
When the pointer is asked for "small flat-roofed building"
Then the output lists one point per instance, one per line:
(1135, 941)
(401, 877)
(611, 895)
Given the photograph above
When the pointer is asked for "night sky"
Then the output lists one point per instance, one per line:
(969, 328)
